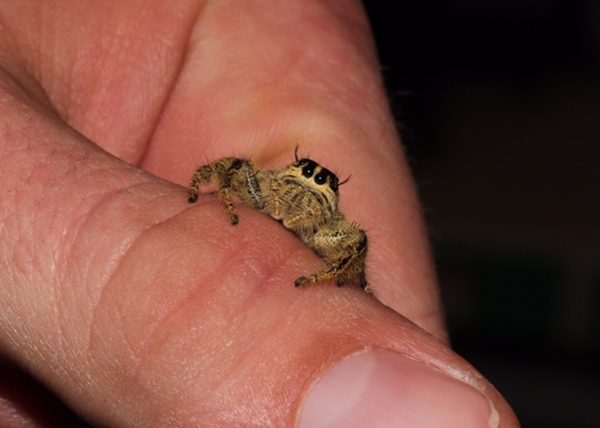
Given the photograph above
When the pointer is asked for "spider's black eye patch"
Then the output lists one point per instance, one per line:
(321, 177)
(309, 167)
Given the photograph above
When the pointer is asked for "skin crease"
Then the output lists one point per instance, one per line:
(137, 309)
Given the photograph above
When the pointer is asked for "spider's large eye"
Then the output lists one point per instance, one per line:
(308, 171)
(321, 178)
(308, 167)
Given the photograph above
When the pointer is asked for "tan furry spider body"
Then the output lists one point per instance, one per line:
(304, 198)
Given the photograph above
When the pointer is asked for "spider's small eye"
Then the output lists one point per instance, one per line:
(320, 178)
(333, 182)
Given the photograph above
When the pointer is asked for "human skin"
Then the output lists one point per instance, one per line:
(138, 309)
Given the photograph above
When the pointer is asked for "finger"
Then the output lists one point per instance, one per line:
(106, 67)
(138, 311)
(243, 92)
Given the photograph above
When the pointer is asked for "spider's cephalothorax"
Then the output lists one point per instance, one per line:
(304, 198)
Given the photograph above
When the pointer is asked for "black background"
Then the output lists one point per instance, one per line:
(498, 103)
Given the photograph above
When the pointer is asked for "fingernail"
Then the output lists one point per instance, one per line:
(384, 389)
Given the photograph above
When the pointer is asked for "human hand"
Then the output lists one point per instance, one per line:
(139, 310)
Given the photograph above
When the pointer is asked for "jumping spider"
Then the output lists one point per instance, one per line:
(304, 198)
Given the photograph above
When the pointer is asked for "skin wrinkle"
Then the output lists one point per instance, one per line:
(85, 217)
(194, 23)
(231, 375)
(124, 247)
(16, 70)
(67, 245)
(159, 333)
(119, 261)
(133, 246)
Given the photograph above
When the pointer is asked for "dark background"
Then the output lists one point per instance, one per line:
(498, 103)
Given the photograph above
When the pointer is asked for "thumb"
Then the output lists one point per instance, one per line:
(138, 311)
